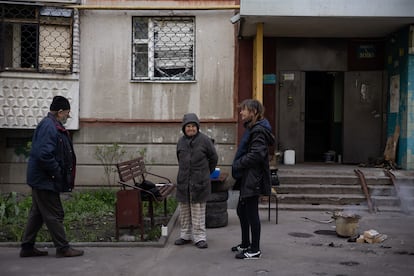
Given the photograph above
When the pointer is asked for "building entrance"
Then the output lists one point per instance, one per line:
(323, 115)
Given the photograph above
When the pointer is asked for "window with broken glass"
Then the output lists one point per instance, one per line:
(163, 48)
(35, 38)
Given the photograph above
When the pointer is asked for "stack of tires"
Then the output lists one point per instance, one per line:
(216, 208)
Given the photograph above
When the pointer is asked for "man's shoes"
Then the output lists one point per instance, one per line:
(239, 248)
(181, 241)
(248, 255)
(70, 252)
(32, 252)
(201, 244)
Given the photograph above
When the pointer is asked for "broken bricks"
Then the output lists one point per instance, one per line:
(371, 236)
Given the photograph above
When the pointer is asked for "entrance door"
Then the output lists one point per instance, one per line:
(291, 113)
(323, 114)
(363, 110)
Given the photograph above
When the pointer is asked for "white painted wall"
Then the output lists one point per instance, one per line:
(354, 8)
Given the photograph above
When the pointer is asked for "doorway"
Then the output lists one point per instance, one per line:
(323, 115)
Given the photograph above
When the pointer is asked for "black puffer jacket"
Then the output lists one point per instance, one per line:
(197, 158)
(253, 165)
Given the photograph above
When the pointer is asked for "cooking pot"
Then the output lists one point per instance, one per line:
(346, 224)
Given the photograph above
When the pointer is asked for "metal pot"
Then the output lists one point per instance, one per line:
(346, 224)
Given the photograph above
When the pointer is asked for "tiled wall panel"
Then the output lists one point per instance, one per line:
(24, 102)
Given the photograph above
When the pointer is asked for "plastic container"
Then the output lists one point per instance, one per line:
(329, 156)
(164, 231)
(216, 173)
(289, 157)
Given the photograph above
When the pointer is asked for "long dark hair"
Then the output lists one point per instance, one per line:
(253, 106)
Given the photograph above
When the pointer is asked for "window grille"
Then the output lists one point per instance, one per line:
(35, 39)
(163, 48)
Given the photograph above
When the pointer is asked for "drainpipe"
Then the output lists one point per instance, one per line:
(98, 7)
(258, 64)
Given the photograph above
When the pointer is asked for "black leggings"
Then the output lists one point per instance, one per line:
(248, 212)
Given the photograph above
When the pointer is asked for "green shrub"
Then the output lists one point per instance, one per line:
(89, 216)
(109, 156)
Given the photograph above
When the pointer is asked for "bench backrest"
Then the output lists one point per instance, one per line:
(132, 170)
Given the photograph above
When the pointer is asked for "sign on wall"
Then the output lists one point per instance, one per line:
(394, 94)
(366, 51)
(269, 78)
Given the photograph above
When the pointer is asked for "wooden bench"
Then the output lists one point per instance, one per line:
(133, 172)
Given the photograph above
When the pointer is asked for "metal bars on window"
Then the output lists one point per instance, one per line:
(35, 39)
(163, 48)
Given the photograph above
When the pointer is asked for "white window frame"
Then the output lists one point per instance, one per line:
(170, 44)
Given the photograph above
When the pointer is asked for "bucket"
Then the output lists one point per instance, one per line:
(346, 224)
(329, 156)
(289, 157)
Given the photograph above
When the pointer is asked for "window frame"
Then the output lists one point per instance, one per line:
(152, 55)
(44, 19)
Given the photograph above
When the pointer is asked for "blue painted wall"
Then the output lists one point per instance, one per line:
(400, 62)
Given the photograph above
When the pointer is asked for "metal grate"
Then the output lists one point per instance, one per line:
(163, 48)
(35, 38)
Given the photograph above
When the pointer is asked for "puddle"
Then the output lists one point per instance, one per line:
(300, 235)
(351, 263)
(403, 252)
(325, 232)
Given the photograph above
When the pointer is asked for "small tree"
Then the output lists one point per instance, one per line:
(140, 152)
(109, 156)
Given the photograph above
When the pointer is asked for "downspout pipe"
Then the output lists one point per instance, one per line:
(97, 7)
(258, 64)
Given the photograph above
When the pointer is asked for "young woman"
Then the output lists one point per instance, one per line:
(251, 170)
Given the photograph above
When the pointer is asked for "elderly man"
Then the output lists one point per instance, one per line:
(50, 171)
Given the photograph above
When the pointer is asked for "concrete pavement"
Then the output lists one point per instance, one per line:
(291, 247)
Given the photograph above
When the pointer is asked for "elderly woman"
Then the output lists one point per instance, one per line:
(197, 159)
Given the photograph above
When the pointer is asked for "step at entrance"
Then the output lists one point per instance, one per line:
(338, 187)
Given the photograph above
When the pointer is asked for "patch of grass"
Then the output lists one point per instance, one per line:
(89, 217)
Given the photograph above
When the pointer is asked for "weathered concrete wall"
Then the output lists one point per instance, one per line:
(105, 82)
(157, 140)
(108, 97)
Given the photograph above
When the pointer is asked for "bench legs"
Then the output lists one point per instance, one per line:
(165, 207)
(151, 210)
(272, 195)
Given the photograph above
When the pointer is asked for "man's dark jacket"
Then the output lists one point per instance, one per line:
(52, 161)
